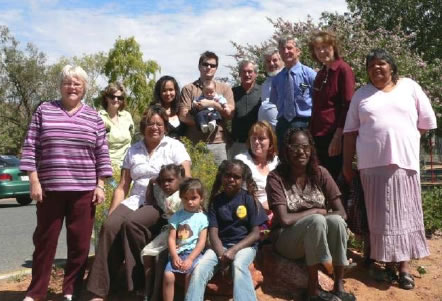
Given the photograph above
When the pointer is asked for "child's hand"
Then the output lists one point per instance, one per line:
(228, 255)
(177, 262)
(186, 264)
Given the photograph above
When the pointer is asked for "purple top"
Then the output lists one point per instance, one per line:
(69, 152)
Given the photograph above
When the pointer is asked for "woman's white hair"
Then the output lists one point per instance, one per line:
(69, 71)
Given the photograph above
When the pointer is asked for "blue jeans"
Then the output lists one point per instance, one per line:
(243, 288)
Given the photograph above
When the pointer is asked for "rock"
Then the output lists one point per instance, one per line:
(285, 276)
(274, 272)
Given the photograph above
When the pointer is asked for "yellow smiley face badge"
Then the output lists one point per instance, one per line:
(241, 211)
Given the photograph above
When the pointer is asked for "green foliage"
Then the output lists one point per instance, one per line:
(22, 78)
(203, 164)
(26, 80)
(93, 64)
(420, 19)
(125, 64)
(356, 40)
(432, 207)
(103, 209)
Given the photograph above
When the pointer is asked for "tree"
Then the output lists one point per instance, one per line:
(355, 42)
(420, 19)
(93, 64)
(26, 80)
(125, 64)
(22, 79)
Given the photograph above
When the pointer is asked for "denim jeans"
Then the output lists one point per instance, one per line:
(243, 288)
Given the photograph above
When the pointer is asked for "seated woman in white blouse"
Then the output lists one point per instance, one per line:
(261, 156)
(141, 164)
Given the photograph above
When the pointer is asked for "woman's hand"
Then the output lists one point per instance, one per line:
(37, 192)
(321, 211)
(335, 147)
(98, 197)
(348, 174)
(186, 264)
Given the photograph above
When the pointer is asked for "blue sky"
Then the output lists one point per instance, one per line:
(173, 33)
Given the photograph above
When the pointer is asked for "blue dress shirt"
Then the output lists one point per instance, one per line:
(303, 78)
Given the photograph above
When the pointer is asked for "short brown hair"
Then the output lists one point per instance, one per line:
(326, 37)
(151, 111)
(110, 90)
(267, 128)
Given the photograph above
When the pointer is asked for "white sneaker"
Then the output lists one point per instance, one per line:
(212, 126)
(204, 128)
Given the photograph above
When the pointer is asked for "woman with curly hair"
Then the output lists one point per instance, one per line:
(309, 219)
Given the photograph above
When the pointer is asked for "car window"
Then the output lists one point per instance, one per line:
(8, 161)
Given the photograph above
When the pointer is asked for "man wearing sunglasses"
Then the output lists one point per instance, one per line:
(216, 140)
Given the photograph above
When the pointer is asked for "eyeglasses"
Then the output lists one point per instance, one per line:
(112, 97)
(152, 125)
(205, 64)
(72, 84)
(298, 147)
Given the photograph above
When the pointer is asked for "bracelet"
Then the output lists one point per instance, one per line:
(101, 187)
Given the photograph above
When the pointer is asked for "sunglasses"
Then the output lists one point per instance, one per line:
(209, 65)
(120, 98)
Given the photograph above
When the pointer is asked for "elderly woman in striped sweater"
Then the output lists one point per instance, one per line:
(67, 159)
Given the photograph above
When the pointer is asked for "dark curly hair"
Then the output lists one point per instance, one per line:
(178, 170)
(151, 111)
(284, 167)
(246, 177)
(159, 86)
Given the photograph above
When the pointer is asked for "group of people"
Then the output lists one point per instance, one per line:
(290, 139)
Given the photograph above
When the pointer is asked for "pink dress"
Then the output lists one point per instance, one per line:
(387, 149)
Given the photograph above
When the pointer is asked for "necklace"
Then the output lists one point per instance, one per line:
(324, 81)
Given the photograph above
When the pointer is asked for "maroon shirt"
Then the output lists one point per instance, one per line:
(332, 94)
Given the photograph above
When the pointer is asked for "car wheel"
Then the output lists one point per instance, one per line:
(24, 200)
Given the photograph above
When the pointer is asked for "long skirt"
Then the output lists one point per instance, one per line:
(394, 212)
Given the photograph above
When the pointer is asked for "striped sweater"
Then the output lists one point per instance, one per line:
(68, 152)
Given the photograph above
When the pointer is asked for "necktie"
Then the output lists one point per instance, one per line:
(289, 104)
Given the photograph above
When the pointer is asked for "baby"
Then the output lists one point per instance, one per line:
(207, 117)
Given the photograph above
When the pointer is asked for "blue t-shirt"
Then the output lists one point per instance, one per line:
(235, 217)
(188, 226)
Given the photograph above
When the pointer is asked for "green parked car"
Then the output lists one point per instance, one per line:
(14, 183)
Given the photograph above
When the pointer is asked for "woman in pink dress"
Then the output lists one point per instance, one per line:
(384, 124)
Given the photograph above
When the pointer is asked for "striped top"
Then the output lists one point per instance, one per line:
(68, 152)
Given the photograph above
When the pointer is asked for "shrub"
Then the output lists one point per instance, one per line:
(432, 207)
(203, 164)
(103, 209)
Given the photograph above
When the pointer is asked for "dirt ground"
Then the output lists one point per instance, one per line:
(357, 280)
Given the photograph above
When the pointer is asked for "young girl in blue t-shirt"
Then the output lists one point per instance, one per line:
(234, 220)
(187, 236)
